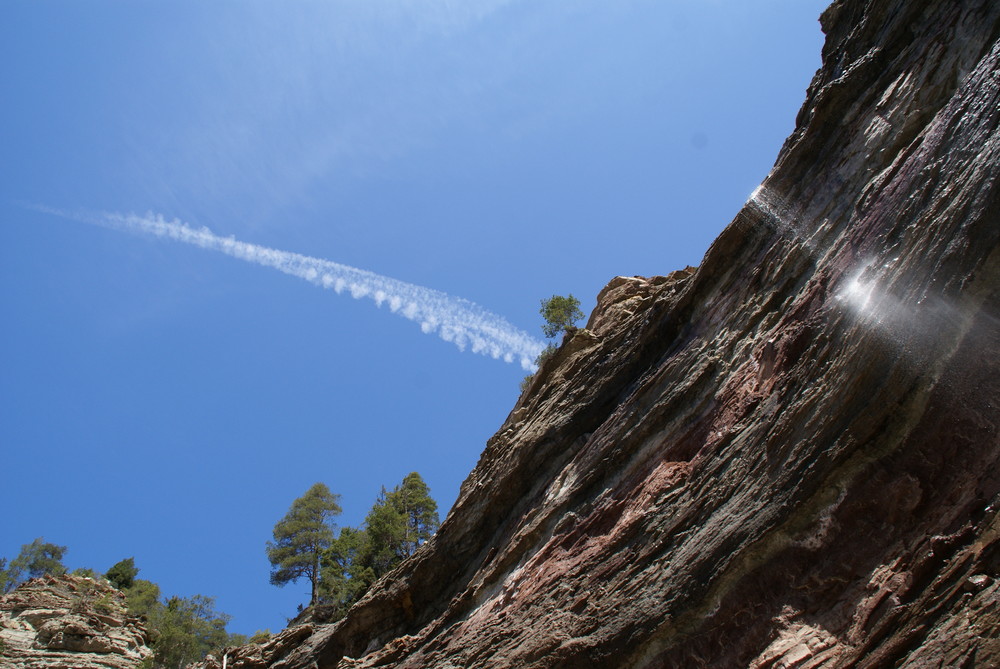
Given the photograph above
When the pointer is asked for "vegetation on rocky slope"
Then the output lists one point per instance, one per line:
(180, 629)
(342, 567)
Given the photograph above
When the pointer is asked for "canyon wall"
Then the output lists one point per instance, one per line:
(786, 457)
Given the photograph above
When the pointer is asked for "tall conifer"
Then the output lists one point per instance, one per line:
(301, 538)
(413, 500)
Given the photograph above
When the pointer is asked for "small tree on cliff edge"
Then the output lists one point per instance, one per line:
(301, 538)
(35, 559)
(122, 574)
(560, 314)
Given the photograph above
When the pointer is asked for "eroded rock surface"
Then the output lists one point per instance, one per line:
(787, 457)
(63, 622)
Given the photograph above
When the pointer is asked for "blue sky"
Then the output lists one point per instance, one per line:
(168, 402)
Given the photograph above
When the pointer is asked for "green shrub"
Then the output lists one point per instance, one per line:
(104, 604)
(546, 353)
(260, 636)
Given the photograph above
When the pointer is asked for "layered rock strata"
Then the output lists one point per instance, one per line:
(787, 457)
(62, 622)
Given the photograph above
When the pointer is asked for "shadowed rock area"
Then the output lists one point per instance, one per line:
(787, 457)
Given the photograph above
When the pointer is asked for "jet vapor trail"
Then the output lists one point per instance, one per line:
(454, 319)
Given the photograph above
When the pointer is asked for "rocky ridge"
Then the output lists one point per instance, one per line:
(787, 457)
(63, 622)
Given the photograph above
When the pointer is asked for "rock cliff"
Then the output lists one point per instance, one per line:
(69, 622)
(787, 457)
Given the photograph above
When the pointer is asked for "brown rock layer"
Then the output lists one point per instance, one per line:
(785, 458)
(62, 622)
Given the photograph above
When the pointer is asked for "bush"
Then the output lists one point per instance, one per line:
(546, 353)
(122, 574)
(260, 636)
(104, 604)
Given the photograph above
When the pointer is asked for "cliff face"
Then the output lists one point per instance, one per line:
(58, 622)
(787, 457)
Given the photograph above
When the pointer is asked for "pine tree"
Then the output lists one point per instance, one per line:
(419, 510)
(6, 578)
(301, 538)
(345, 576)
(399, 521)
(35, 559)
(385, 529)
(122, 574)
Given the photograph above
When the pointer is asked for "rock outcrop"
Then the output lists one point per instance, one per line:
(69, 622)
(787, 457)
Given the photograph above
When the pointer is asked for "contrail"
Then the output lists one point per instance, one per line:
(456, 320)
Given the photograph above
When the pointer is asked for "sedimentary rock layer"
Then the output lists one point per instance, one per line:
(61, 622)
(787, 457)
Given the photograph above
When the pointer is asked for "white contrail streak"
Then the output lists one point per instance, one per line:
(455, 320)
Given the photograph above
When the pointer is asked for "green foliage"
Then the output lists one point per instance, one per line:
(419, 510)
(104, 604)
(143, 598)
(88, 588)
(35, 559)
(85, 572)
(301, 538)
(3, 647)
(398, 523)
(90, 599)
(395, 527)
(188, 628)
(260, 636)
(78, 604)
(182, 629)
(385, 527)
(345, 577)
(560, 314)
(6, 578)
(233, 640)
(546, 353)
(122, 574)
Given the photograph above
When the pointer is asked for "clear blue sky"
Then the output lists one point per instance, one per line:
(167, 402)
